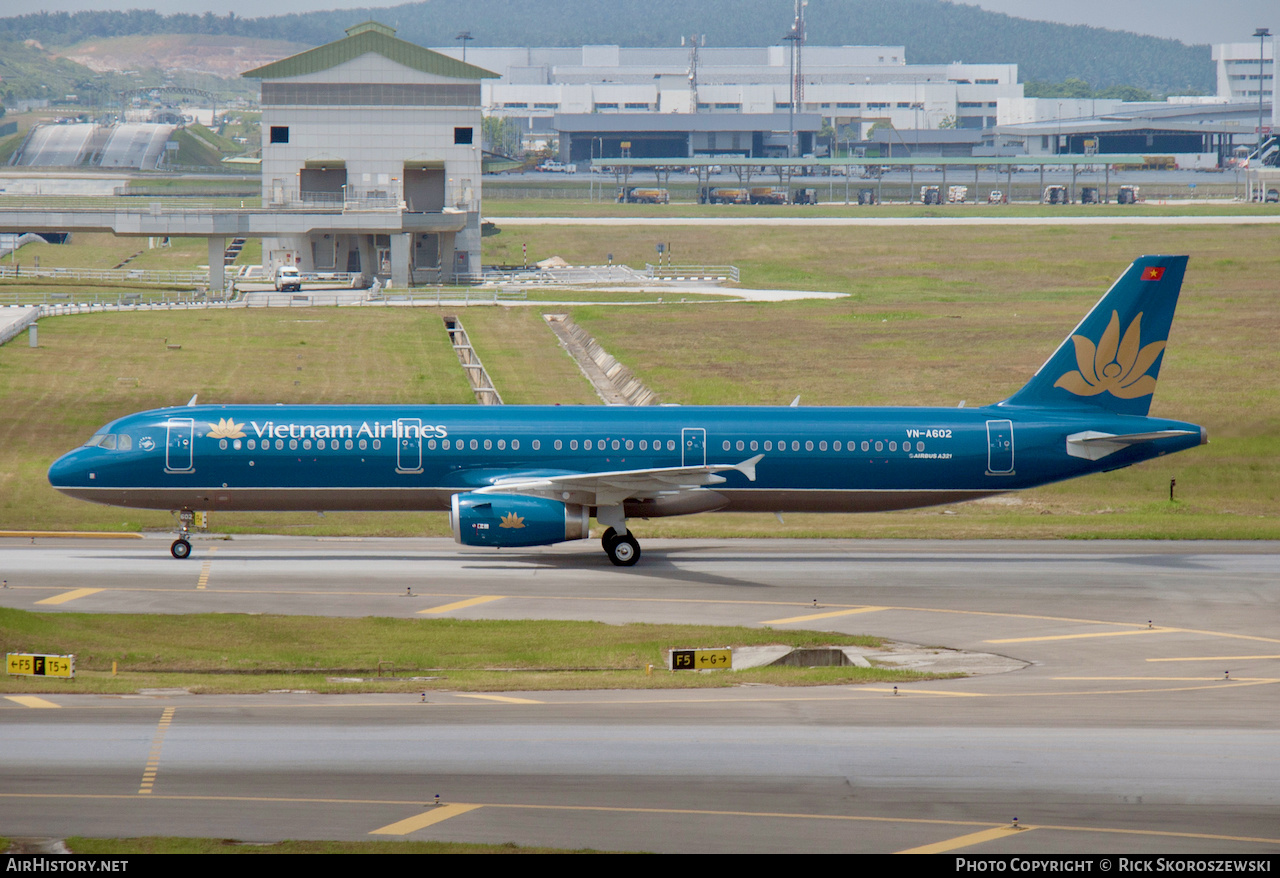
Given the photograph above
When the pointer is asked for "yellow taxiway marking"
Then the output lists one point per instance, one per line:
(1081, 636)
(839, 818)
(505, 699)
(436, 814)
(964, 841)
(1215, 658)
(153, 755)
(904, 691)
(458, 605)
(829, 615)
(203, 581)
(31, 701)
(69, 534)
(69, 595)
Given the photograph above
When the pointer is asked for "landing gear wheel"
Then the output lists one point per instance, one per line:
(180, 549)
(623, 550)
(608, 537)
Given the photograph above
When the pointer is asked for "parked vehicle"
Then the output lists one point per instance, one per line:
(995, 196)
(1089, 195)
(287, 279)
(1127, 195)
(930, 195)
(768, 195)
(866, 196)
(957, 194)
(723, 195)
(641, 195)
(804, 196)
(1055, 195)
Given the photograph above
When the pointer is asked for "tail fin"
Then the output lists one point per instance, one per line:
(1113, 357)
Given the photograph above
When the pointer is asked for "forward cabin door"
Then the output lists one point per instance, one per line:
(177, 453)
(693, 446)
(409, 445)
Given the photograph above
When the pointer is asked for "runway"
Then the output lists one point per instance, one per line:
(1147, 719)
(1173, 219)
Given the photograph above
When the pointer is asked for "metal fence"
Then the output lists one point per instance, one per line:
(108, 275)
(692, 273)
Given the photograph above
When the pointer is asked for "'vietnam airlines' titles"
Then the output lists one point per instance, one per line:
(377, 430)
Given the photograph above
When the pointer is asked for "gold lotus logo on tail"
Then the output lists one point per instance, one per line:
(511, 520)
(1117, 365)
(226, 429)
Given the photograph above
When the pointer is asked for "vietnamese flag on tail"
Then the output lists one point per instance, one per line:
(1153, 272)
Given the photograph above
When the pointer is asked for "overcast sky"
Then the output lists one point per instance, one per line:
(1192, 21)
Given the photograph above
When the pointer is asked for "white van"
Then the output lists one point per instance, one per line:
(287, 279)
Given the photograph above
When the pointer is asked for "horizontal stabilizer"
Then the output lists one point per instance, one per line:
(1092, 445)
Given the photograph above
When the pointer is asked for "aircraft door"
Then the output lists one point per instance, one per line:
(409, 445)
(693, 446)
(177, 454)
(999, 448)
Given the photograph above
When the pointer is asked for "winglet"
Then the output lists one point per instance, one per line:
(748, 467)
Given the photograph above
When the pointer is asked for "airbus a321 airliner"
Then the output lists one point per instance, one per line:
(535, 475)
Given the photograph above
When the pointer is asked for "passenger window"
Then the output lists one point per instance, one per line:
(822, 446)
(347, 443)
(739, 445)
(630, 445)
(893, 446)
(502, 444)
(879, 446)
(515, 444)
(573, 444)
(726, 445)
(795, 445)
(671, 445)
(768, 445)
(222, 444)
(280, 444)
(377, 443)
(431, 444)
(293, 444)
(808, 445)
(615, 445)
(644, 445)
(474, 445)
(586, 443)
(866, 446)
(559, 445)
(253, 444)
(835, 446)
(488, 445)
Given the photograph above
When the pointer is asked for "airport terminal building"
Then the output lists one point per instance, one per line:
(379, 130)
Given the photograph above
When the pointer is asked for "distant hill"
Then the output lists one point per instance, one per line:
(933, 31)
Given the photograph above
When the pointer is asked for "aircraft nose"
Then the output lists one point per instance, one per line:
(68, 471)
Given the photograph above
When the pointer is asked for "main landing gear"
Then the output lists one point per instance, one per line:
(623, 549)
(180, 548)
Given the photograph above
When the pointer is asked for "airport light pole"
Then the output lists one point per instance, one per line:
(1262, 33)
(465, 37)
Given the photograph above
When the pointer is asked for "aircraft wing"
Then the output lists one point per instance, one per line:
(613, 488)
(1093, 445)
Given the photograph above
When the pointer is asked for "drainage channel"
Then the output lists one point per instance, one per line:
(481, 383)
(614, 383)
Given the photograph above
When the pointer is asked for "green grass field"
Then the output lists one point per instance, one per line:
(932, 317)
(234, 653)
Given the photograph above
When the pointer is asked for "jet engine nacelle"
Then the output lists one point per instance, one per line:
(512, 520)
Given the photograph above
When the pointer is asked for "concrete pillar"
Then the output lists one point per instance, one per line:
(368, 255)
(400, 246)
(446, 256)
(217, 249)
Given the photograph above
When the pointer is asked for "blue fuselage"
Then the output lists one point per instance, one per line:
(251, 457)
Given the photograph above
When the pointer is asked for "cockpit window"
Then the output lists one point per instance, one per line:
(110, 441)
